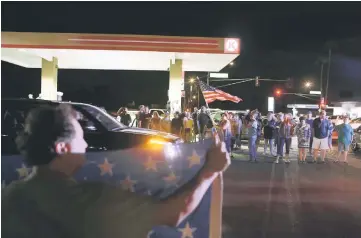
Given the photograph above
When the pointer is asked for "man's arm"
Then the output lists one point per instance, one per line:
(173, 210)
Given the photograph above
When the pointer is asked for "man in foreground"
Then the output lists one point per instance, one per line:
(49, 203)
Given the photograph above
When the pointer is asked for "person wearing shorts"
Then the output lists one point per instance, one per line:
(321, 129)
(345, 136)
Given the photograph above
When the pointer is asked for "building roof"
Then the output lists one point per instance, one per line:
(118, 52)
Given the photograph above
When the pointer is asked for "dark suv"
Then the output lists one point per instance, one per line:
(101, 131)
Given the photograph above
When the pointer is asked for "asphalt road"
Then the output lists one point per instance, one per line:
(296, 200)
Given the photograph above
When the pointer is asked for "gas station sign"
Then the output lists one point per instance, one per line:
(232, 45)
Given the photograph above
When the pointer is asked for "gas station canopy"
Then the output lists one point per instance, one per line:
(53, 51)
(118, 52)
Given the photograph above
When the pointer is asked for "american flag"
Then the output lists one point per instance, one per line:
(211, 94)
(157, 173)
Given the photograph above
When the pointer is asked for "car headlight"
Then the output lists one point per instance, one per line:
(154, 141)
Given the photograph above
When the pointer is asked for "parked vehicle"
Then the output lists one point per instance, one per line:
(336, 120)
(355, 123)
(356, 142)
(102, 132)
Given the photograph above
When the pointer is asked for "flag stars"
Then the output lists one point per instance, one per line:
(23, 171)
(194, 159)
(128, 184)
(106, 168)
(171, 178)
(187, 231)
(151, 164)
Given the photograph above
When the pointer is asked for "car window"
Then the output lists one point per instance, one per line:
(103, 118)
(86, 123)
(13, 117)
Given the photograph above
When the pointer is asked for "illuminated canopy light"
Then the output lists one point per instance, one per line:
(119, 60)
(119, 52)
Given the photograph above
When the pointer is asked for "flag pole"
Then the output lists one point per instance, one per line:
(199, 88)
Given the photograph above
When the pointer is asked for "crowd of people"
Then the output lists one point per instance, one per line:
(277, 130)
(181, 124)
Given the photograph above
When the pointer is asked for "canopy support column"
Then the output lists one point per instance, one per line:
(176, 85)
(49, 79)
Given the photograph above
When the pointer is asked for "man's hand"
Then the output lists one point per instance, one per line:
(218, 158)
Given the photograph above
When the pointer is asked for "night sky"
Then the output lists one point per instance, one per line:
(280, 40)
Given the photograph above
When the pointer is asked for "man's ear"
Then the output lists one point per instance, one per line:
(62, 148)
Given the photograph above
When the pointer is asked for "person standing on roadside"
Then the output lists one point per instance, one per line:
(195, 123)
(280, 119)
(140, 116)
(177, 124)
(166, 123)
(285, 138)
(124, 116)
(321, 130)
(225, 126)
(303, 132)
(345, 137)
(155, 122)
(269, 133)
(203, 122)
(309, 121)
(252, 136)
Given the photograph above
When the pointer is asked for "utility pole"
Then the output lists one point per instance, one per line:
(321, 76)
(328, 73)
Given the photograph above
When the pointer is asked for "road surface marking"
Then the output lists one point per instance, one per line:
(268, 206)
(288, 177)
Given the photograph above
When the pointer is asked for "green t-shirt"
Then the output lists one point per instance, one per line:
(345, 133)
(55, 207)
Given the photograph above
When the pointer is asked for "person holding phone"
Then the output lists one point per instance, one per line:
(321, 132)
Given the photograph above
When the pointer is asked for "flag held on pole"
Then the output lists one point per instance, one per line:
(211, 94)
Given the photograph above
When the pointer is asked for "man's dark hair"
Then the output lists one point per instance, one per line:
(44, 126)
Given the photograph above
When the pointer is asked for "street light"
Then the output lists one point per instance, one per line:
(191, 80)
(308, 84)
